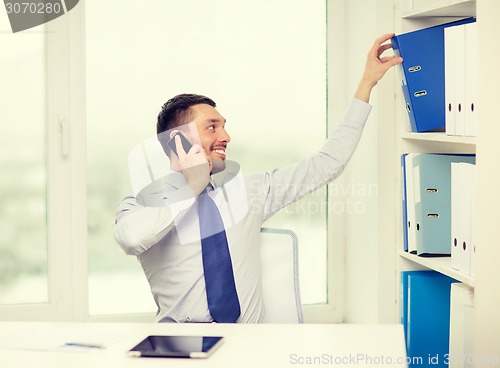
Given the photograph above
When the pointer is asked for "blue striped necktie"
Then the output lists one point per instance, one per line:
(222, 297)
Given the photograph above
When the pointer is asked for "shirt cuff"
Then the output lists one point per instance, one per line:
(357, 112)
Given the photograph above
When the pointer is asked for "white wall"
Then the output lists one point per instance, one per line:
(360, 180)
(361, 225)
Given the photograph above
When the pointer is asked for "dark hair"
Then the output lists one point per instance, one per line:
(177, 111)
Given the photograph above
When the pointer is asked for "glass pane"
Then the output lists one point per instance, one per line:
(23, 211)
(263, 62)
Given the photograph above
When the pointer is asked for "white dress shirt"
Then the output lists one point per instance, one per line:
(160, 225)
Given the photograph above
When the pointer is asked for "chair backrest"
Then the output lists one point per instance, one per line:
(280, 276)
(147, 162)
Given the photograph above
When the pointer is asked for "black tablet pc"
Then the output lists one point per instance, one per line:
(158, 346)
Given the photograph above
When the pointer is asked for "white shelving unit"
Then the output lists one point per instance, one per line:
(487, 148)
(439, 137)
(439, 264)
(443, 8)
(436, 13)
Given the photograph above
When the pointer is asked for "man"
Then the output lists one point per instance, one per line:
(163, 225)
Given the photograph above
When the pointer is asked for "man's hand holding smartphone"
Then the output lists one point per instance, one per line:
(172, 143)
(192, 162)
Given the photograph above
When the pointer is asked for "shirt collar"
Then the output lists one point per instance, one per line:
(232, 169)
(177, 180)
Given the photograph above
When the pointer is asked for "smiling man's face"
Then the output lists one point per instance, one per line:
(213, 136)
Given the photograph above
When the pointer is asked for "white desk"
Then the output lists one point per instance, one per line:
(267, 345)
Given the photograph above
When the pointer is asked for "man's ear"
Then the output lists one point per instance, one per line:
(163, 138)
(174, 132)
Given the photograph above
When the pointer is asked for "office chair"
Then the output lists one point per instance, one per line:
(280, 276)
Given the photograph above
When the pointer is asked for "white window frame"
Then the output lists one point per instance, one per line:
(65, 165)
(337, 99)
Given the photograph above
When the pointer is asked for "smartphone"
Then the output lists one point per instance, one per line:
(176, 346)
(185, 143)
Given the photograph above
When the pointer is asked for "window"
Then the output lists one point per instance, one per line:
(263, 62)
(23, 188)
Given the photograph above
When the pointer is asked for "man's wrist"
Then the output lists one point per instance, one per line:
(363, 91)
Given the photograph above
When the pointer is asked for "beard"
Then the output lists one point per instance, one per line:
(218, 166)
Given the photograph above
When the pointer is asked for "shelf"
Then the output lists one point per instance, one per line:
(439, 137)
(444, 8)
(441, 265)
